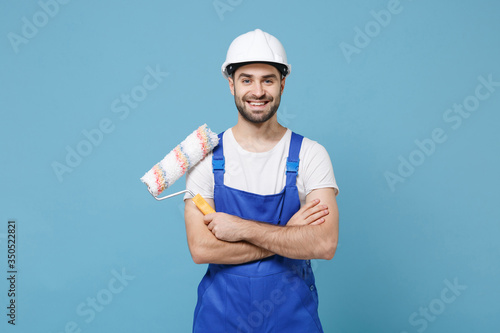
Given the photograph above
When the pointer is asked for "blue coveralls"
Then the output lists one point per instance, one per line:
(275, 294)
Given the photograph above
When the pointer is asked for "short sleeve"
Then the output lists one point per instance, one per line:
(200, 179)
(318, 168)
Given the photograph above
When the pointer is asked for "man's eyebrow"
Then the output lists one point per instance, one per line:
(270, 76)
(264, 76)
(244, 75)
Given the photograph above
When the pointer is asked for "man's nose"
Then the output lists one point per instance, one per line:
(258, 90)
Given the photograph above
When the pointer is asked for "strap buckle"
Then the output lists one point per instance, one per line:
(218, 164)
(292, 166)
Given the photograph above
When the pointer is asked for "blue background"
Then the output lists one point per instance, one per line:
(401, 243)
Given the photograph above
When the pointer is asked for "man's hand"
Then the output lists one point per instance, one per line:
(224, 226)
(311, 214)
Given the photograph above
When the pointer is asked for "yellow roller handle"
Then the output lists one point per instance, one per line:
(202, 205)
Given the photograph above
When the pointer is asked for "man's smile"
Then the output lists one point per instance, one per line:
(257, 104)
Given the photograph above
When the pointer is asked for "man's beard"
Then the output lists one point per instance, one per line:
(256, 118)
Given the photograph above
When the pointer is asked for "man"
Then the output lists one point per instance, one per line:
(260, 241)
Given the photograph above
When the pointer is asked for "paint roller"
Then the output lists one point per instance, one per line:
(175, 164)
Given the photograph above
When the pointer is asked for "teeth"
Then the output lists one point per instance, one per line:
(257, 104)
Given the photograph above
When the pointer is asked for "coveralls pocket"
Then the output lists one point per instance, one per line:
(302, 301)
(211, 301)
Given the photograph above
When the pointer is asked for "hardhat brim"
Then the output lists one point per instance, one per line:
(231, 68)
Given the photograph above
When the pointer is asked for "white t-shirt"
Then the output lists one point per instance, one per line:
(264, 173)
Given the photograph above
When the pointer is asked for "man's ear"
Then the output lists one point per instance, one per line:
(231, 84)
(283, 85)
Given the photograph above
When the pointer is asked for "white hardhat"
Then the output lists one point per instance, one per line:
(255, 46)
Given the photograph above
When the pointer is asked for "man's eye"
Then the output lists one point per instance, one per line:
(246, 81)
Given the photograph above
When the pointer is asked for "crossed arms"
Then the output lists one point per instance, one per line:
(219, 238)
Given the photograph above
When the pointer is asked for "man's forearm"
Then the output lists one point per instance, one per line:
(301, 242)
(214, 251)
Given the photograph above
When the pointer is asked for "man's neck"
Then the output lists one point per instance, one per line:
(260, 137)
